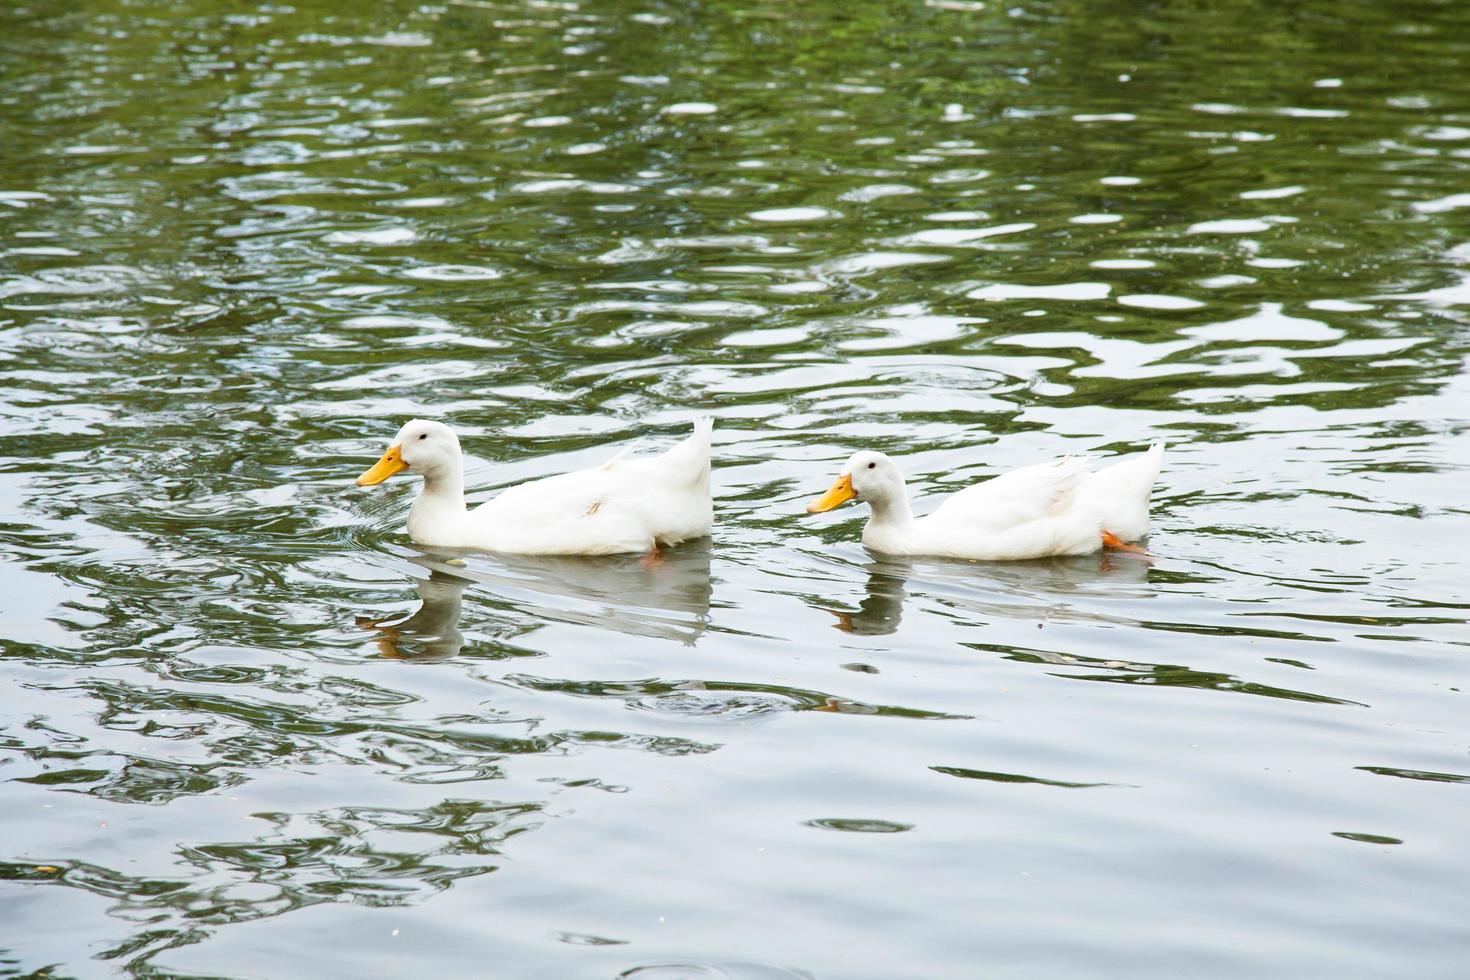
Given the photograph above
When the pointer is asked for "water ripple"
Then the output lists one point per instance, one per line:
(250, 723)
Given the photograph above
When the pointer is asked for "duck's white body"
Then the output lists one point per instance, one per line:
(1056, 508)
(624, 506)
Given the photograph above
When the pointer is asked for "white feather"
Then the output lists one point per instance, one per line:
(626, 505)
(1056, 508)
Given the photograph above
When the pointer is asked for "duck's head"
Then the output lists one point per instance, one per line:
(421, 446)
(866, 475)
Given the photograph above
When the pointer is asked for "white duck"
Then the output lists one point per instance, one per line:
(624, 506)
(1056, 508)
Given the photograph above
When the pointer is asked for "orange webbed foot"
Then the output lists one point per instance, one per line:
(1112, 542)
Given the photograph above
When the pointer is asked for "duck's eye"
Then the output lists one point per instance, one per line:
(423, 435)
(872, 466)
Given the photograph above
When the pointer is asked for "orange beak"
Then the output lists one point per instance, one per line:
(392, 462)
(840, 493)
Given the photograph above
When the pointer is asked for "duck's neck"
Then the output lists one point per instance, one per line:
(890, 512)
(439, 507)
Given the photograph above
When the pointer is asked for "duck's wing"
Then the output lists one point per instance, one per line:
(624, 505)
(1031, 493)
(550, 498)
(567, 514)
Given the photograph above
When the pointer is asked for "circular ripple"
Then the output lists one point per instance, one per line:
(733, 707)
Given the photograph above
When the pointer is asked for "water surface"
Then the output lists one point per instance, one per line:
(251, 731)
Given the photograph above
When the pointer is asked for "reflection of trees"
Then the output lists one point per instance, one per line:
(368, 855)
(1155, 675)
(701, 698)
(305, 859)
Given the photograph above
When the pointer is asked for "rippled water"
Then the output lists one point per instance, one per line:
(251, 731)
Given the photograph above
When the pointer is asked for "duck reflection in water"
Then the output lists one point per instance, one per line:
(667, 599)
(432, 631)
(880, 612)
(1060, 579)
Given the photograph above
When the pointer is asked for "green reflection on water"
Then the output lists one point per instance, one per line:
(239, 244)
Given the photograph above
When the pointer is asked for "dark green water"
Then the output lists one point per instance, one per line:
(240, 244)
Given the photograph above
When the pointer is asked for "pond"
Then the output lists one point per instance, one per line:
(250, 730)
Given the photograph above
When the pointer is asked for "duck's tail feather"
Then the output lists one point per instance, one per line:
(695, 447)
(691, 456)
(1119, 494)
(1134, 472)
